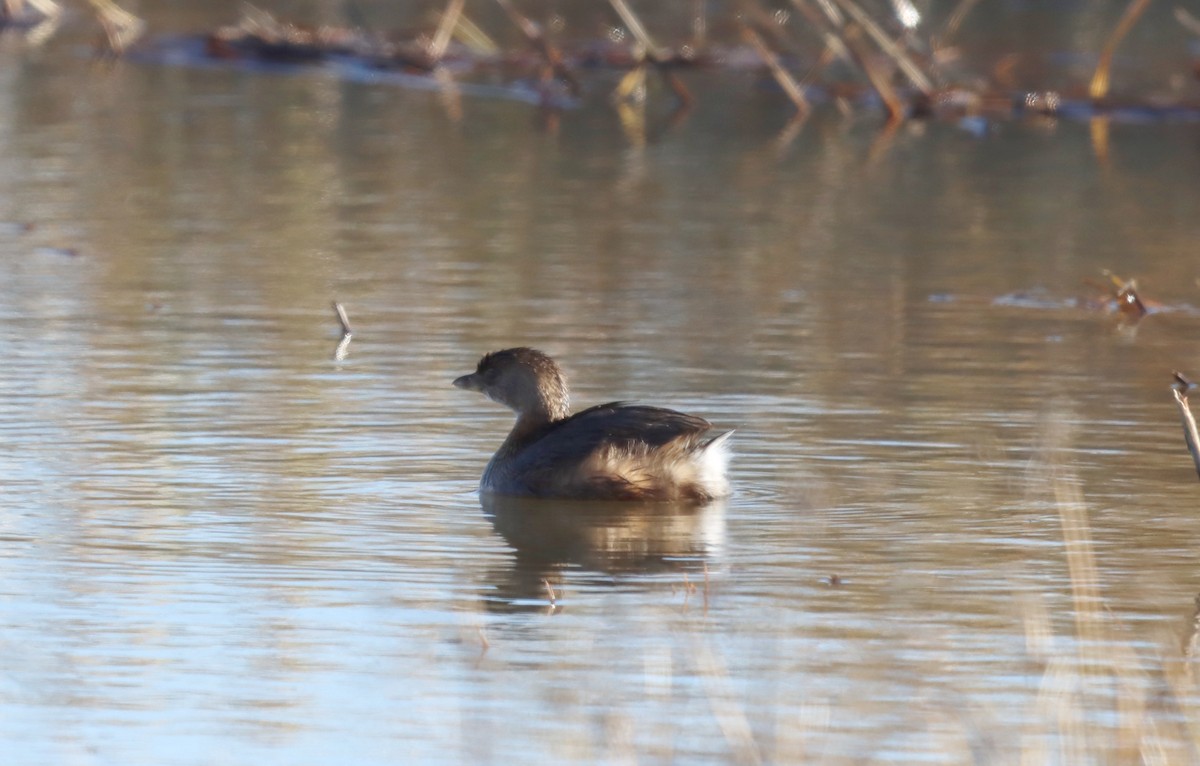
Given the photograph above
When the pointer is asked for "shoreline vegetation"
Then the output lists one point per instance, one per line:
(885, 57)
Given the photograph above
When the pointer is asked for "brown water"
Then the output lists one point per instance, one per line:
(219, 545)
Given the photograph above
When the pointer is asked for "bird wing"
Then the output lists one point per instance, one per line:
(562, 455)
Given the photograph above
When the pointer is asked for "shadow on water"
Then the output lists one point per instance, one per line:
(550, 537)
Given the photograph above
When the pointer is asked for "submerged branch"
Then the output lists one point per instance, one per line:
(782, 76)
(446, 27)
(909, 67)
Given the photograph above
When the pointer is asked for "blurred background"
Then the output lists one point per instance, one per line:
(963, 526)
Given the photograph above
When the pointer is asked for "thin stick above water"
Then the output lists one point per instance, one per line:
(347, 333)
(782, 76)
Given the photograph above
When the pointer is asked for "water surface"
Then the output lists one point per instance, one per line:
(222, 545)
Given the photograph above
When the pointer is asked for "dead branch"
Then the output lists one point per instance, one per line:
(660, 58)
(782, 76)
(1098, 88)
(1180, 388)
(446, 27)
(551, 54)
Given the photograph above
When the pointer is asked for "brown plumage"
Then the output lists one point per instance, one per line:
(614, 451)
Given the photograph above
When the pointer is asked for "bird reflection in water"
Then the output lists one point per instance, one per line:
(614, 539)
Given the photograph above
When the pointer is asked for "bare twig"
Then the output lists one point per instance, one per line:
(446, 27)
(782, 76)
(1098, 88)
(651, 52)
(893, 51)
(827, 27)
(851, 36)
(550, 592)
(121, 28)
(956, 19)
(699, 24)
(634, 25)
(471, 35)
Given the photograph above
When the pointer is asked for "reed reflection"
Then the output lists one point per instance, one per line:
(617, 539)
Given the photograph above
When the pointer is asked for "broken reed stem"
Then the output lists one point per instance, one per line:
(1190, 434)
(955, 21)
(1187, 21)
(441, 38)
(782, 76)
(471, 35)
(851, 35)
(652, 53)
(121, 28)
(634, 25)
(833, 42)
(552, 55)
(889, 48)
(1098, 88)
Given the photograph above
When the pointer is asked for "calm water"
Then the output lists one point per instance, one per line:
(220, 545)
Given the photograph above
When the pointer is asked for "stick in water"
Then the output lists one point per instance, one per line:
(1180, 388)
(344, 344)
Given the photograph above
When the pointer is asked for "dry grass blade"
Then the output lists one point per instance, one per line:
(471, 35)
(828, 35)
(1187, 20)
(782, 76)
(1098, 88)
(635, 26)
(121, 28)
(956, 19)
(552, 56)
(909, 67)
(851, 36)
(343, 318)
(699, 23)
(446, 27)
